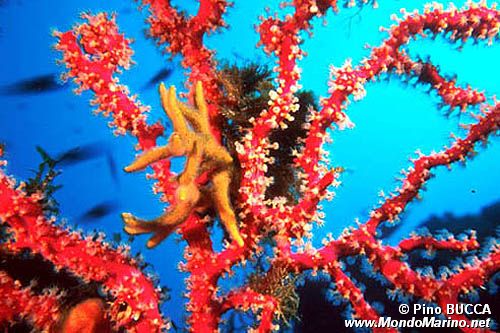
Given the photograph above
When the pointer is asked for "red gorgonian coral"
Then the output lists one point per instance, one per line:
(95, 51)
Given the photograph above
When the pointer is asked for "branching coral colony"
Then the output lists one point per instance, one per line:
(95, 52)
(204, 153)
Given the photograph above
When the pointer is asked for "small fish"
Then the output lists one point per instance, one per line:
(163, 74)
(87, 152)
(34, 85)
(98, 211)
(81, 153)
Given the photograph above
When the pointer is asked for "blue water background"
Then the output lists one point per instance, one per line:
(392, 121)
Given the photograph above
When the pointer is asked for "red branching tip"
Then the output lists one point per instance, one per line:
(94, 52)
(432, 243)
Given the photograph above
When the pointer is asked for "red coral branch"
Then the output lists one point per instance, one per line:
(432, 243)
(248, 299)
(477, 22)
(94, 52)
(470, 277)
(135, 299)
(42, 311)
(184, 36)
(348, 290)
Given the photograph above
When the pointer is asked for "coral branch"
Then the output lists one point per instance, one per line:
(348, 290)
(247, 299)
(95, 51)
(477, 22)
(470, 277)
(204, 155)
(42, 311)
(135, 299)
(420, 172)
(185, 36)
(432, 243)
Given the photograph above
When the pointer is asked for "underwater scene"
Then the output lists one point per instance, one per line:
(249, 166)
